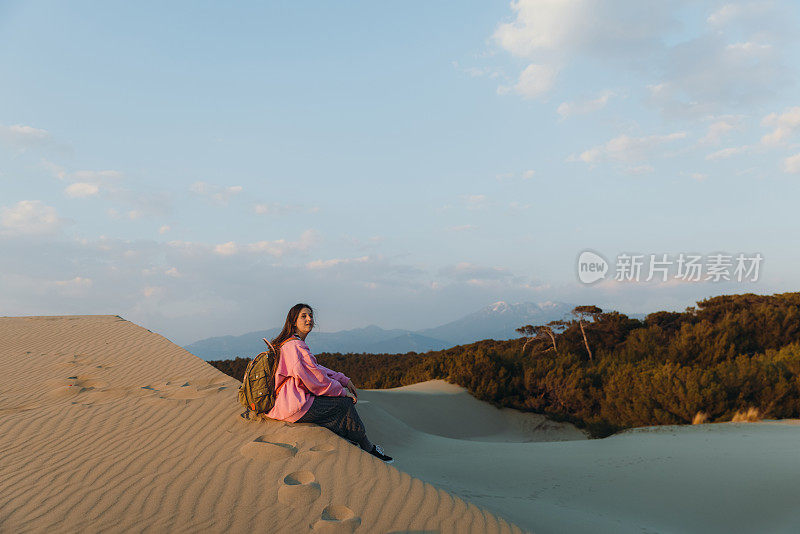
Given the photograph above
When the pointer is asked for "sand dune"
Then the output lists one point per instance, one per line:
(442, 409)
(105, 426)
(729, 477)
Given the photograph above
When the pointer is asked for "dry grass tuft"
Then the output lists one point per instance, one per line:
(750, 416)
(700, 418)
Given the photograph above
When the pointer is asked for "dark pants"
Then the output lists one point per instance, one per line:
(339, 415)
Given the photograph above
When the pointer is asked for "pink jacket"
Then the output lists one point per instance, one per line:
(304, 379)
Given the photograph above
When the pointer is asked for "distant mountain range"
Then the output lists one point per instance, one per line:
(496, 321)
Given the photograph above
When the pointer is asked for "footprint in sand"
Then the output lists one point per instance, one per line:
(73, 386)
(261, 449)
(87, 390)
(64, 392)
(78, 360)
(85, 381)
(337, 518)
(300, 487)
(185, 391)
(323, 447)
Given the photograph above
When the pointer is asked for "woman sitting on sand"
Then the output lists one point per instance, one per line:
(307, 392)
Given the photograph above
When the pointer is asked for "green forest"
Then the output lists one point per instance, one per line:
(606, 372)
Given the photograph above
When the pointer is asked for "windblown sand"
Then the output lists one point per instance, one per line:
(105, 426)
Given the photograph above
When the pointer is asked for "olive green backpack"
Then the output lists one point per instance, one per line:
(257, 392)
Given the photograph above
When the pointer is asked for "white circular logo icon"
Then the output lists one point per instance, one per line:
(591, 267)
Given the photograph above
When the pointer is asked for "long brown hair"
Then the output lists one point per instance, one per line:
(290, 326)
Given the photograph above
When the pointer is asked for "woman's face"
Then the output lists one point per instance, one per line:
(305, 321)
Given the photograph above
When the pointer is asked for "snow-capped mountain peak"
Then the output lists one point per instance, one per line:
(498, 307)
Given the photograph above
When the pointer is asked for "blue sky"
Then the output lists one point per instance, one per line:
(200, 167)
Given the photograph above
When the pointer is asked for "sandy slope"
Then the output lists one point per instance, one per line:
(107, 427)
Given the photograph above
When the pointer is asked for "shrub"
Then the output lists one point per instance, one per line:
(700, 418)
(752, 415)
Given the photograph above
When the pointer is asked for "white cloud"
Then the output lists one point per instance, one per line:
(733, 12)
(784, 124)
(555, 31)
(748, 48)
(568, 109)
(277, 248)
(282, 209)
(462, 228)
(534, 81)
(792, 164)
(724, 14)
(704, 63)
(718, 129)
(477, 72)
(220, 297)
(29, 217)
(152, 291)
(217, 194)
(77, 281)
(226, 249)
(327, 264)
(638, 170)
(95, 176)
(475, 202)
(23, 136)
(474, 274)
(707, 74)
(508, 176)
(153, 203)
(593, 26)
(627, 148)
(281, 247)
(57, 170)
(81, 190)
(173, 272)
(541, 25)
(164, 229)
(107, 183)
(728, 152)
(105, 177)
(200, 188)
(77, 286)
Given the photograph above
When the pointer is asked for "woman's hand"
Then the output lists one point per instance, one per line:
(352, 389)
(348, 393)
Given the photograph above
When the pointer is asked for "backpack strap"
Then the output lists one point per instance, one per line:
(277, 389)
